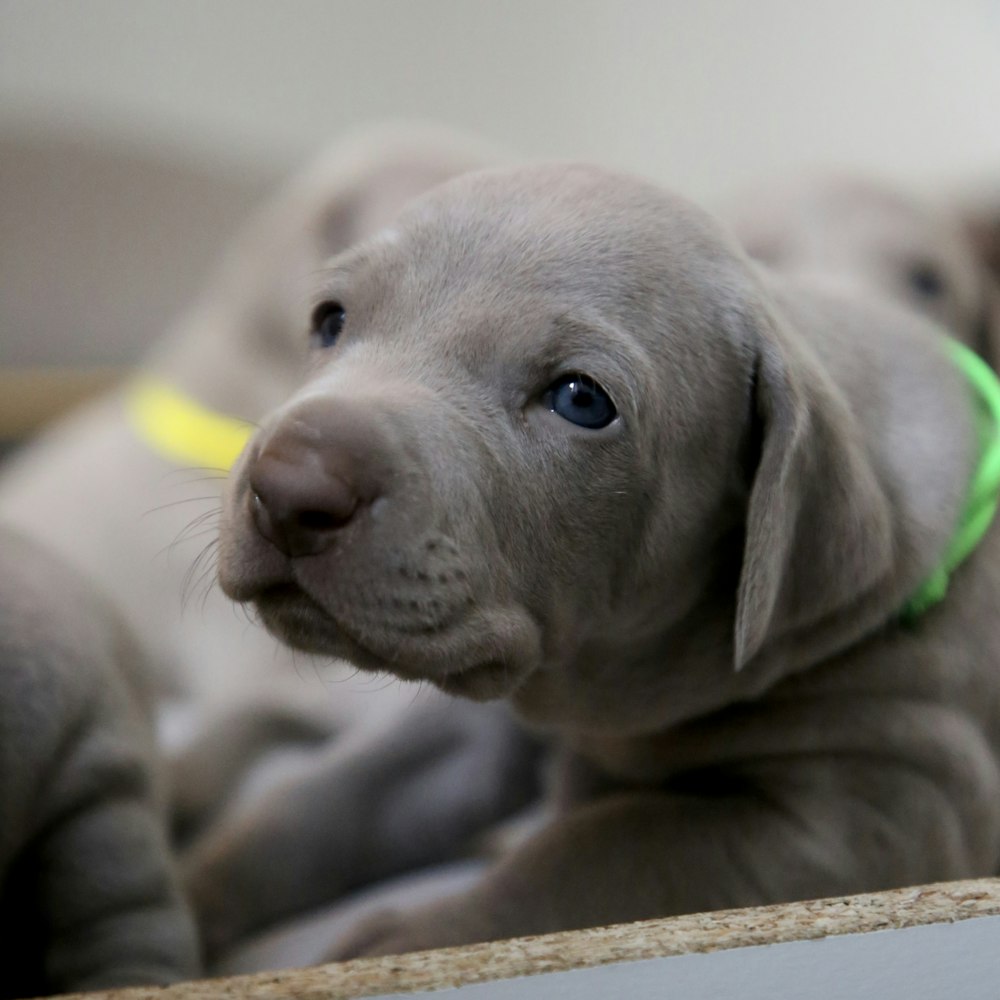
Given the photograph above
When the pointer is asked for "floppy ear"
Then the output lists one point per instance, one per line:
(818, 531)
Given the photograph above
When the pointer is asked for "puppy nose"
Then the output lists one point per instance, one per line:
(301, 495)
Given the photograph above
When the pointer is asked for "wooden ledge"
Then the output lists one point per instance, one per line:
(694, 934)
(30, 397)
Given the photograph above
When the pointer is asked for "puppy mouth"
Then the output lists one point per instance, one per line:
(441, 655)
(301, 622)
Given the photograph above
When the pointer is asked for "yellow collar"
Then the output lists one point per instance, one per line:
(179, 428)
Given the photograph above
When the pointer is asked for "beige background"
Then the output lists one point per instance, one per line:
(135, 133)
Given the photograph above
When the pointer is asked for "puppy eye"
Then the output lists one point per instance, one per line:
(327, 322)
(927, 280)
(580, 400)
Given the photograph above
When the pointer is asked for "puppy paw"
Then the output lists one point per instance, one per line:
(377, 934)
(395, 932)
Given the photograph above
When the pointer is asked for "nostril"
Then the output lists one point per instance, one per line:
(320, 520)
(299, 506)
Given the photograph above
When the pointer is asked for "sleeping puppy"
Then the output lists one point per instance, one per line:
(139, 515)
(563, 443)
(411, 795)
(873, 238)
(88, 896)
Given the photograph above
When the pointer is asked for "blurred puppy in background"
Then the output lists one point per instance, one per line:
(119, 491)
(124, 496)
(89, 895)
(873, 239)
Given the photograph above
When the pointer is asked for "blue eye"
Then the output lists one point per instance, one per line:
(327, 322)
(580, 400)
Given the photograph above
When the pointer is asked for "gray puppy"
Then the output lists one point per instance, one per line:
(563, 443)
(89, 896)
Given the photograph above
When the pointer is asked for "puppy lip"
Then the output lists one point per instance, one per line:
(293, 616)
(300, 620)
(244, 590)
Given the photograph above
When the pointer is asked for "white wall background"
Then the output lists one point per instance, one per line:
(134, 134)
(703, 94)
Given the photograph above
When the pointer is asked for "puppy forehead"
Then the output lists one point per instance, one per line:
(511, 278)
(561, 219)
(557, 238)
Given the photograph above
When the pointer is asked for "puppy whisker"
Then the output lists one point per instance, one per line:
(191, 530)
(194, 578)
(177, 503)
(196, 474)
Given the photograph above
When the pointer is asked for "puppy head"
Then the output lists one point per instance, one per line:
(522, 456)
(871, 237)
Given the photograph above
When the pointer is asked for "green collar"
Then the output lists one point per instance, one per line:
(984, 489)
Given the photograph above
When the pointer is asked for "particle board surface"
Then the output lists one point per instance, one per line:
(957, 925)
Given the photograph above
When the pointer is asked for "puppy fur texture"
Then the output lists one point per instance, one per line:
(89, 897)
(698, 603)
